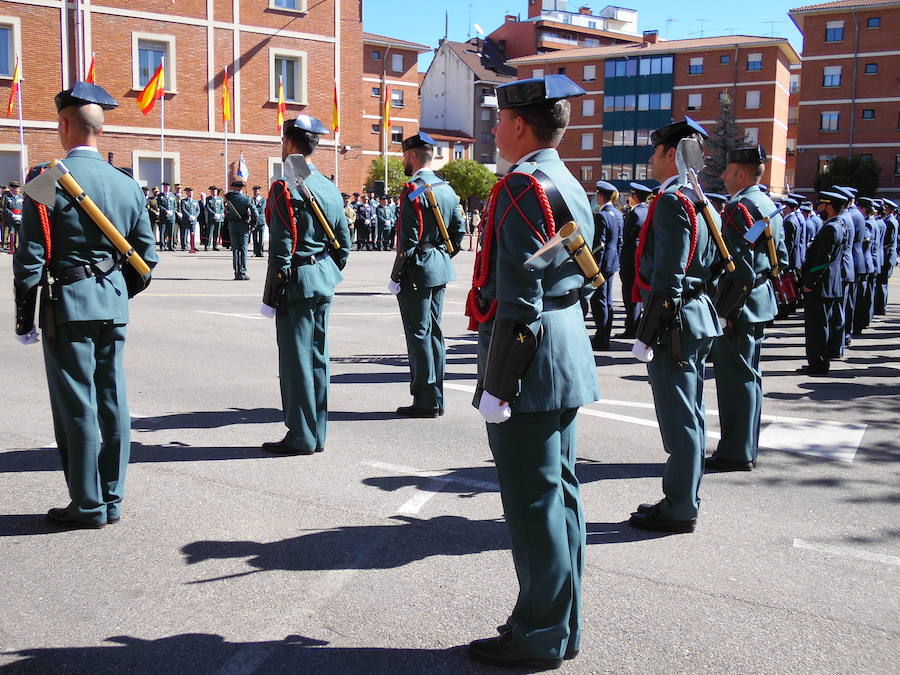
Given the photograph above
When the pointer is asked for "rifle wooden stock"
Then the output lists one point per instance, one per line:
(581, 254)
(706, 212)
(70, 185)
(770, 249)
(442, 226)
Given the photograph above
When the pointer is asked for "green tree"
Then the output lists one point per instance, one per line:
(396, 177)
(725, 136)
(861, 172)
(468, 179)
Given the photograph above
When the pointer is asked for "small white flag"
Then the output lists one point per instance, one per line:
(242, 171)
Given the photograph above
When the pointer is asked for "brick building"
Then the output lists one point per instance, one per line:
(633, 89)
(311, 44)
(850, 90)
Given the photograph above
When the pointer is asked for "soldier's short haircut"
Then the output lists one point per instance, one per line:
(548, 121)
(305, 142)
(423, 153)
(86, 118)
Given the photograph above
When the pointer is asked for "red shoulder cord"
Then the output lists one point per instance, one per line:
(417, 207)
(486, 234)
(289, 210)
(45, 230)
(639, 283)
(749, 219)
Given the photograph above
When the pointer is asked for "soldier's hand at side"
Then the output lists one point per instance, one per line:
(807, 290)
(492, 409)
(30, 338)
(267, 311)
(642, 352)
(393, 287)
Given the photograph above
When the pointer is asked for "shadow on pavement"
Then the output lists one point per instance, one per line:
(19, 524)
(208, 419)
(198, 653)
(619, 533)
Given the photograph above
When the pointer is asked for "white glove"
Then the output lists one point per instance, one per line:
(393, 287)
(723, 323)
(491, 409)
(30, 338)
(266, 311)
(642, 352)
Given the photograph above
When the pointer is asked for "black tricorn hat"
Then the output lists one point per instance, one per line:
(419, 140)
(83, 93)
(752, 155)
(304, 123)
(547, 89)
(676, 131)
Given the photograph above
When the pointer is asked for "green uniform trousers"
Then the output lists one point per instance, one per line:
(212, 238)
(421, 309)
(678, 398)
(86, 379)
(301, 329)
(739, 391)
(817, 313)
(240, 241)
(535, 458)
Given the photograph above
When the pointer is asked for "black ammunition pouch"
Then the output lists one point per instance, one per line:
(134, 282)
(276, 287)
(511, 351)
(660, 311)
(399, 268)
(732, 294)
(26, 303)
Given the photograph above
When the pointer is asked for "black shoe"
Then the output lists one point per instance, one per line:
(215, 248)
(244, 277)
(506, 628)
(237, 277)
(113, 520)
(600, 344)
(62, 518)
(719, 465)
(654, 520)
(413, 411)
(813, 370)
(626, 335)
(501, 652)
(320, 449)
(647, 508)
(282, 448)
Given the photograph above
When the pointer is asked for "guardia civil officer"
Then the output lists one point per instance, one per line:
(607, 246)
(384, 218)
(239, 214)
(259, 230)
(865, 299)
(84, 310)
(12, 211)
(889, 253)
(860, 263)
(422, 271)
(822, 284)
(632, 222)
(303, 270)
(679, 323)
(168, 207)
(190, 213)
(215, 217)
(535, 368)
(746, 299)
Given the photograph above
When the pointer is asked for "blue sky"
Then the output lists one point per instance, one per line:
(424, 21)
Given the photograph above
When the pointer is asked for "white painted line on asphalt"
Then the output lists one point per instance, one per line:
(819, 438)
(238, 316)
(847, 552)
(437, 482)
(426, 492)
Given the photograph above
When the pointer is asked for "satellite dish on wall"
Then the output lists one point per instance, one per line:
(478, 29)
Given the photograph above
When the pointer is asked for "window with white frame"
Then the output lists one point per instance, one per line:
(9, 34)
(458, 151)
(290, 66)
(751, 136)
(376, 128)
(147, 167)
(295, 5)
(754, 61)
(537, 72)
(485, 114)
(397, 98)
(834, 31)
(397, 63)
(751, 102)
(587, 174)
(696, 66)
(376, 55)
(147, 52)
(587, 107)
(828, 121)
(587, 141)
(376, 92)
(831, 77)
(695, 101)
(795, 83)
(590, 73)
(396, 134)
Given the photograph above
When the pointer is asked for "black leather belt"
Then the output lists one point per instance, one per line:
(427, 245)
(560, 301)
(311, 260)
(78, 272)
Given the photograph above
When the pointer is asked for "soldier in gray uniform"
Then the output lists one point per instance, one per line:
(259, 231)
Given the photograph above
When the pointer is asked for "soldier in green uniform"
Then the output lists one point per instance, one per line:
(821, 279)
(384, 219)
(168, 206)
(425, 272)
(259, 231)
(215, 217)
(84, 310)
(12, 212)
(190, 214)
(239, 214)
(303, 272)
(679, 324)
(535, 368)
(746, 300)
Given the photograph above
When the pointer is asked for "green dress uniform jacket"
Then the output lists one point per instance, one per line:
(239, 219)
(302, 322)
(535, 449)
(421, 297)
(258, 232)
(666, 266)
(737, 353)
(85, 371)
(385, 219)
(168, 207)
(190, 215)
(215, 218)
(12, 210)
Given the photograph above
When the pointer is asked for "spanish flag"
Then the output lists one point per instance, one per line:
(226, 100)
(17, 77)
(282, 108)
(91, 75)
(387, 109)
(335, 111)
(155, 89)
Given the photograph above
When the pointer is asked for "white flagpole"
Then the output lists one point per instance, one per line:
(225, 123)
(162, 129)
(21, 125)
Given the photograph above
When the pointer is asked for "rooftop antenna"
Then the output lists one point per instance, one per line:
(446, 23)
(772, 25)
(668, 21)
(701, 31)
(478, 29)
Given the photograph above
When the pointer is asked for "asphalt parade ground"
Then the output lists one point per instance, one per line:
(388, 552)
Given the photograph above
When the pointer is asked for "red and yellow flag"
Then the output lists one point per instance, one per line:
(14, 90)
(154, 90)
(226, 99)
(335, 111)
(282, 108)
(91, 75)
(387, 109)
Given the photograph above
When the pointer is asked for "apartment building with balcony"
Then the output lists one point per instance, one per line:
(850, 95)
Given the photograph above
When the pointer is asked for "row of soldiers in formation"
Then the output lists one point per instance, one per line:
(372, 220)
(10, 214)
